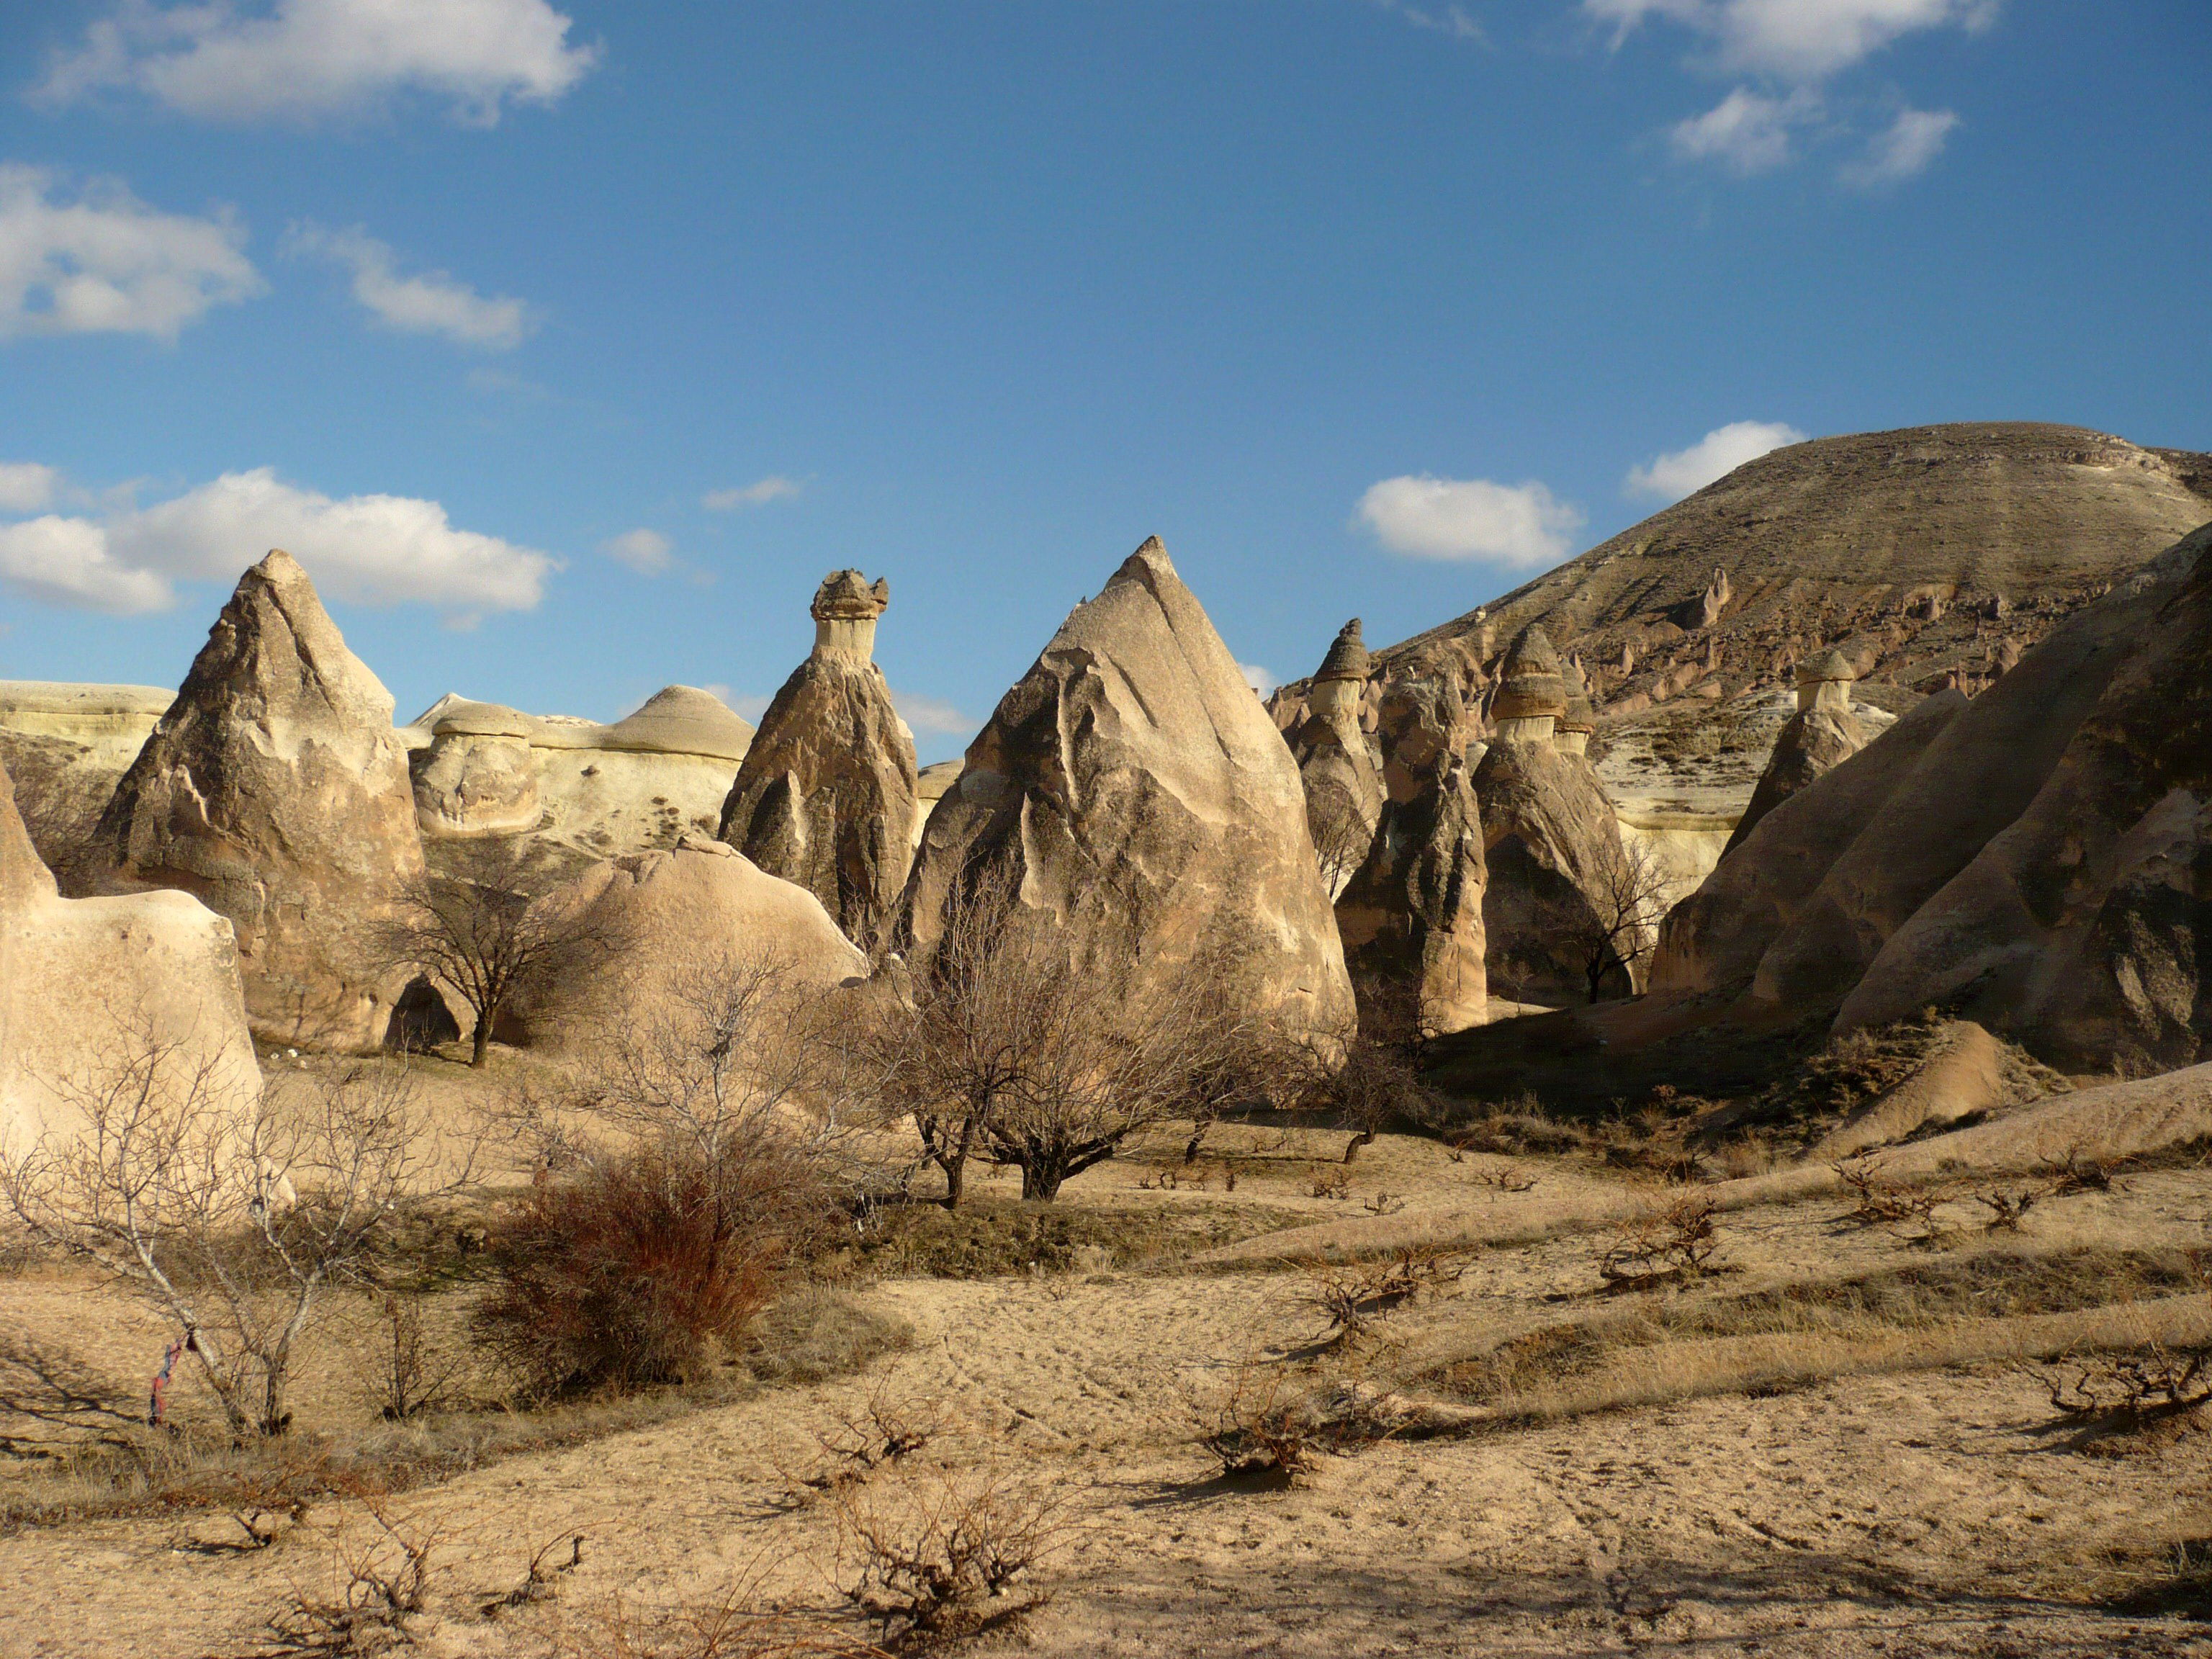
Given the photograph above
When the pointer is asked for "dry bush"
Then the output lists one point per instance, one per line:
(1352, 1295)
(1262, 1428)
(1676, 1241)
(542, 1579)
(1878, 1201)
(233, 1221)
(2152, 1382)
(642, 1268)
(380, 1583)
(1332, 1184)
(730, 1628)
(926, 1557)
(410, 1378)
(1502, 1177)
(698, 1163)
(883, 1432)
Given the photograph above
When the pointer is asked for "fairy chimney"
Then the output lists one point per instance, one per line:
(1342, 681)
(845, 609)
(1824, 683)
(1579, 719)
(1531, 695)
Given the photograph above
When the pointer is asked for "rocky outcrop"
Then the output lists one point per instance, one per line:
(274, 791)
(684, 915)
(1132, 787)
(86, 985)
(1551, 845)
(1410, 917)
(66, 746)
(1342, 780)
(582, 791)
(826, 795)
(930, 785)
(1837, 543)
(1822, 734)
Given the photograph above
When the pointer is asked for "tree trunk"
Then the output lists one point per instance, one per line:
(956, 1179)
(1197, 1137)
(480, 1044)
(274, 1419)
(1040, 1182)
(1365, 1137)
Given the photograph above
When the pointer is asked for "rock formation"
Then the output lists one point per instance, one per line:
(582, 792)
(1343, 783)
(1821, 734)
(1570, 734)
(685, 911)
(826, 795)
(1130, 783)
(1552, 848)
(86, 984)
(1410, 917)
(275, 790)
(66, 746)
(1837, 543)
(2031, 860)
(930, 785)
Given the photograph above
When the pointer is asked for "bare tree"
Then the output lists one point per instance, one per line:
(1341, 832)
(1627, 897)
(233, 1218)
(473, 927)
(1007, 1047)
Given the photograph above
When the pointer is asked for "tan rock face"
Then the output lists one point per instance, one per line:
(83, 982)
(683, 911)
(2074, 928)
(1814, 741)
(1550, 840)
(826, 795)
(275, 792)
(1131, 780)
(1342, 780)
(67, 745)
(1412, 915)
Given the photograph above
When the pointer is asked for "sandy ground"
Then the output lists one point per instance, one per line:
(1924, 1512)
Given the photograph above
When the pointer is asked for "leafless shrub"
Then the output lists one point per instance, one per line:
(1352, 1295)
(1677, 1241)
(883, 1432)
(1383, 1204)
(1332, 1184)
(1626, 896)
(2007, 1206)
(542, 1581)
(1503, 1178)
(1261, 1427)
(2153, 1382)
(730, 1628)
(1006, 1048)
(231, 1219)
(410, 1377)
(1342, 833)
(381, 1584)
(2073, 1173)
(474, 928)
(1878, 1201)
(926, 1557)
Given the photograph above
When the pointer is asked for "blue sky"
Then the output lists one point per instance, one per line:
(570, 343)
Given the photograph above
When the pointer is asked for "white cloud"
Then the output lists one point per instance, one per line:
(1796, 40)
(67, 562)
(26, 486)
(646, 551)
(774, 487)
(106, 263)
(1451, 19)
(375, 550)
(1517, 525)
(1746, 132)
(1258, 677)
(299, 59)
(1714, 456)
(1906, 148)
(431, 302)
(931, 715)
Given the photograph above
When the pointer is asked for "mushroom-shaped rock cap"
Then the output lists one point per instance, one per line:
(1347, 658)
(1532, 686)
(1580, 714)
(482, 720)
(682, 719)
(1830, 666)
(847, 596)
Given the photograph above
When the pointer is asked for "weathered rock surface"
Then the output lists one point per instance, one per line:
(582, 791)
(1550, 844)
(1342, 779)
(1930, 557)
(1411, 918)
(85, 984)
(826, 795)
(1130, 780)
(930, 785)
(683, 913)
(274, 791)
(66, 746)
(1822, 734)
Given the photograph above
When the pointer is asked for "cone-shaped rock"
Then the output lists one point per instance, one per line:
(275, 790)
(1343, 781)
(88, 985)
(1411, 918)
(1131, 779)
(826, 795)
(1821, 735)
